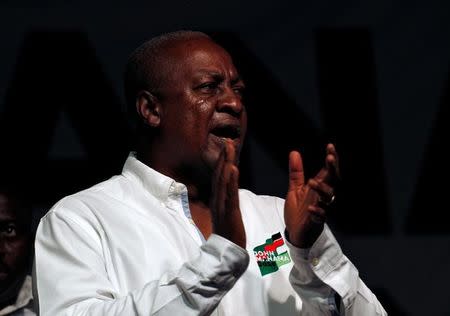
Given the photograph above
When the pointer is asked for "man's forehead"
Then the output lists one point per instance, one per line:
(199, 48)
(218, 75)
(207, 60)
(190, 58)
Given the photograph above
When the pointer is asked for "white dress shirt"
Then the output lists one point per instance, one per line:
(128, 246)
(23, 306)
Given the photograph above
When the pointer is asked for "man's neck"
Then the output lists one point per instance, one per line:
(197, 179)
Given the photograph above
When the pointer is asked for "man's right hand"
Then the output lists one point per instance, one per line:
(226, 214)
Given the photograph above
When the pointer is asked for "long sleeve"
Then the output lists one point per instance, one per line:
(322, 271)
(71, 277)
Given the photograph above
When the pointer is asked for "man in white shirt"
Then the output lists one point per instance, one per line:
(16, 240)
(173, 234)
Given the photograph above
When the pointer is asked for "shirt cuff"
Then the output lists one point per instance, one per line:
(326, 262)
(207, 278)
(222, 261)
(322, 258)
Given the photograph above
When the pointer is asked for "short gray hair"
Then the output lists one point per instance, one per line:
(144, 69)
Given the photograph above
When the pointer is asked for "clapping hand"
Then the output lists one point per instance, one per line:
(226, 214)
(306, 203)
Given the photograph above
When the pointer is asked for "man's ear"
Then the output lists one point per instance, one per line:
(148, 108)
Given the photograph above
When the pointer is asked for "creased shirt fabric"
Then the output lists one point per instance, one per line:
(126, 247)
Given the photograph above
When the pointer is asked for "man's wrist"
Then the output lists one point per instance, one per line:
(304, 240)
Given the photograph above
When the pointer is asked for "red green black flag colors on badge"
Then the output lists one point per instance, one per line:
(271, 255)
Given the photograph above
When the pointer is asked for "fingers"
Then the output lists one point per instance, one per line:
(330, 172)
(219, 166)
(304, 210)
(296, 174)
(325, 191)
(317, 214)
(226, 215)
(218, 179)
(227, 155)
(332, 160)
(325, 180)
(226, 177)
(230, 156)
(232, 189)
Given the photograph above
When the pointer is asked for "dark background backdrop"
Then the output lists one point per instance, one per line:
(372, 77)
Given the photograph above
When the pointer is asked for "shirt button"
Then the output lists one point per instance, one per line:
(315, 262)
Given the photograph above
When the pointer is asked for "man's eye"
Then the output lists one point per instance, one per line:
(208, 86)
(239, 90)
(9, 231)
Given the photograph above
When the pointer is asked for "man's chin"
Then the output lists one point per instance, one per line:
(219, 142)
(215, 147)
(210, 159)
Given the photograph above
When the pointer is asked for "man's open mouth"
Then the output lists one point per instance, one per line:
(232, 132)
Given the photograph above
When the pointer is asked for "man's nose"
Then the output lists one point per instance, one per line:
(230, 102)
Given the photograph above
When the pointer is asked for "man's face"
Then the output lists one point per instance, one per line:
(14, 243)
(202, 103)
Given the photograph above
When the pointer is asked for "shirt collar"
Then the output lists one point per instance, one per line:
(161, 186)
(23, 298)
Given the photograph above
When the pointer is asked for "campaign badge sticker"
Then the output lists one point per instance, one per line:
(271, 255)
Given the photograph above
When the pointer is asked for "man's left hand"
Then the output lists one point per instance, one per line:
(305, 204)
